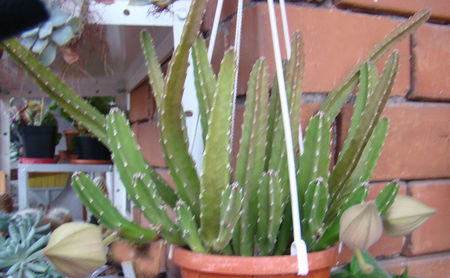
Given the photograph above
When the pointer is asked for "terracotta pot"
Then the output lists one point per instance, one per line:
(195, 265)
(70, 134)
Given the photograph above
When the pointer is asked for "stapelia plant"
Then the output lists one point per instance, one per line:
(241, 212)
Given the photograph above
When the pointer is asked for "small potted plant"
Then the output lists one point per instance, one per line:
(35, 126)
(83, 144)
(241, 216)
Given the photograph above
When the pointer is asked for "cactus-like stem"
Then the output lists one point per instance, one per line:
(369, 118)
(360, 103)
(338, 97)
(230, 209)
(294, 79)
(205, 82)
(364, 168)
(251, 157)
(285, 233)
(315, 160)
(180, 163)
(96, 201)
(270, 212)
(216, 170)
(387, 196)
(314, 209)
(190, 232)
(153, 209)
(130, 161)
(131, 166)
(155, 76)
(77, 107)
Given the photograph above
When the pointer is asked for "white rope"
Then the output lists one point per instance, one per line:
(237, 48)
(287, 44)
(286, 33)
(212, 40)
(299, 246)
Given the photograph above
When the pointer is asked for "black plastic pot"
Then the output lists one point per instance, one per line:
(90, 148)
(38, 141)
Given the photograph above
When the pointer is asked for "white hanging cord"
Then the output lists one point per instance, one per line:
(286, 33)
(287, 44)
(237, 48)
(212, 40)
(299, 246)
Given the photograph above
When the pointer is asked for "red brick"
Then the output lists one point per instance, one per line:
(432, 55)
(433, 236)
(431, 266)
(165, 174)
(307, 110)
(220, 46)
(229, 7)
(332, 44)
(417, 143)
(440, 9)
(148, 138)
(386, 246)
(140, 103)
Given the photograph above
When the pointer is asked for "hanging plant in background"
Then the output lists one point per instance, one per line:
(160, 5)
(59, 31)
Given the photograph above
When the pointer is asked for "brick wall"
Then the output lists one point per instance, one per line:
(337, 34)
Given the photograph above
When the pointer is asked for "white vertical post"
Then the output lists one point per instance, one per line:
(4, 137)
(22, 190)
(120, 195)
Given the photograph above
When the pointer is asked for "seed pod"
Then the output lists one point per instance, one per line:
(405, 215)
(361, 226)
(76, 249)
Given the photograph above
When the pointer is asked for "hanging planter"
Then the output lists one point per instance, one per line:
(204, 265)
(253, 198)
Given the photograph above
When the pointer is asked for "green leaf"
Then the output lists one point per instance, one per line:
(39, 46)
(48, 55)
(45, 30)
(58, 17)
(63, 35)
(387, 196)
(31, 33)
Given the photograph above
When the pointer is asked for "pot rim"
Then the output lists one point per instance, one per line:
(240, 265)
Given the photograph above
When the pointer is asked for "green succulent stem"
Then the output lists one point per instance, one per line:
(365, 267)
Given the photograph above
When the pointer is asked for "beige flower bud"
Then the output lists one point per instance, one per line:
(76, 249)
(405, 215)
(361, 226)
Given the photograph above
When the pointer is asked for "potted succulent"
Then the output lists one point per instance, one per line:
(22, 238)
(81, 142)
(35, 126)
(237, 215)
